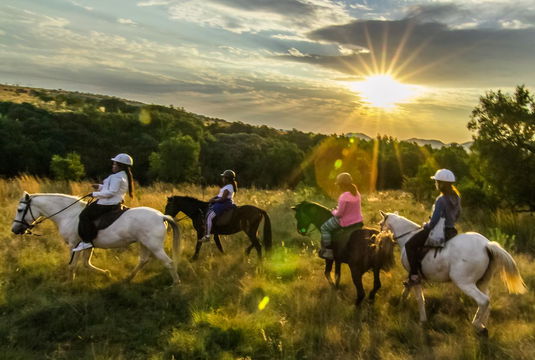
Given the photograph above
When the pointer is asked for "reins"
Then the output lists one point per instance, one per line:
(41, 218)
(405, 234)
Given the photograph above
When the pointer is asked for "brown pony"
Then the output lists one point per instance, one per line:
(367, 249)
(246, 218)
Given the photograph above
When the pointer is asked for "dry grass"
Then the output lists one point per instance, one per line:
(215, 314)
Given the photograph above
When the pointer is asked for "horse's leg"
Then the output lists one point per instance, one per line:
(327, 272)
(197, 249)
(337, 272)
(144, 257)
(356, 275)
(376, 283)
(218, 243)
(481, 299)
(167, 262)
(254, 241)
(87, 263)
(419, 295)
(72, 265)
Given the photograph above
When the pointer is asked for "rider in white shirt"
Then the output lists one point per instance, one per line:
(110, 194)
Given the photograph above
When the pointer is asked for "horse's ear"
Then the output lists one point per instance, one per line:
(26, 196)
(382, 213)
(293, 208)
(169, 198)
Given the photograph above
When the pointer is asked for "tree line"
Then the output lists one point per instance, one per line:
(173, 145)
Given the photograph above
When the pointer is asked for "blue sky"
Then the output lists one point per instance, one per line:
(283, 63)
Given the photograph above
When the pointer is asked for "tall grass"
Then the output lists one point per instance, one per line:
(236, 307)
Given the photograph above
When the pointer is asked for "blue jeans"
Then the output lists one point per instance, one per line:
(327, 229)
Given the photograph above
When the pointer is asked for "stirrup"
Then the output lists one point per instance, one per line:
(82, 246)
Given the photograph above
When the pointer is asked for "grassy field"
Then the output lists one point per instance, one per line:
(236, 307)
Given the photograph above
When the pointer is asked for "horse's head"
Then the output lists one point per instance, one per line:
(187, 204)
(308, 213)
(397, 224)
(25, 216)
(303, 220)
(171, 208)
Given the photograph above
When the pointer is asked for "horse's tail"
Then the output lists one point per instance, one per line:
(176, 237)
(267, 231)
(502, 260)
(385, 250)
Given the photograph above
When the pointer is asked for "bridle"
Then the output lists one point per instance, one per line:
(396, 238)
(36, 221)
(27, 209)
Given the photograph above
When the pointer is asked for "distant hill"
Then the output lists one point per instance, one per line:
(63, 100)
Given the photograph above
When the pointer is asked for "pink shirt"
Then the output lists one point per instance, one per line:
(348, 211)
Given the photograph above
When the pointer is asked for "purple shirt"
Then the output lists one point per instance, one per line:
(348, 211)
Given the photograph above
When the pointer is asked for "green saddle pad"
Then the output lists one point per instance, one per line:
(341, 236)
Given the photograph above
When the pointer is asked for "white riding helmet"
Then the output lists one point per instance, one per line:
(123, 159)
(444, 175)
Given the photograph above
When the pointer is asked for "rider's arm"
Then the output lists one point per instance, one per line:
(222, 198)
(340, 210)
(438, 210)
(113, 188)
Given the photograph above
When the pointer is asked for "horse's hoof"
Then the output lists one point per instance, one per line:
(483, 332)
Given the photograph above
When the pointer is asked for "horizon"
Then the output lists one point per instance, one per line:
(406, 69)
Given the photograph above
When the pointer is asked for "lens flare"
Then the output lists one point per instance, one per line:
(385, 92)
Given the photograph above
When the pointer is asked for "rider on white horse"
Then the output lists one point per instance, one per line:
(110, 196)
(447, 205)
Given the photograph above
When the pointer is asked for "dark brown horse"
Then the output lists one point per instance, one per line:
(367, 249)
(245, 218)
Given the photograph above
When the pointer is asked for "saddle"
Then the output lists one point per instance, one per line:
(109, 218)
(225, 218)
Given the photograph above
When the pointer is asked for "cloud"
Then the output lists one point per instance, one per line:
(126, 21)
(253, 16)
(422, 50)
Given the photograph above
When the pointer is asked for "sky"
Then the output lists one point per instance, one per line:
(393, 67)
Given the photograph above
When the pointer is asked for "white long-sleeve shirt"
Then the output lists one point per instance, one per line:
(112, 190)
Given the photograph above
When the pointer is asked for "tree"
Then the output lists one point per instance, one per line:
(69, 167)
(177, 160)
(505, 145)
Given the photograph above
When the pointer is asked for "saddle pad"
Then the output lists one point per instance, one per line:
(109, 218)
(342, 236)
(225, 217)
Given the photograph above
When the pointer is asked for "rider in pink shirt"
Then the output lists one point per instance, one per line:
(348, 213)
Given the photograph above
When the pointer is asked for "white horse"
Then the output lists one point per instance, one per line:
(468, 260)
(144, 225)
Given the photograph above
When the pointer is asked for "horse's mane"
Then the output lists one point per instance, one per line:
(403, 218)
(312, 204)
(67, 196)
(187, 198)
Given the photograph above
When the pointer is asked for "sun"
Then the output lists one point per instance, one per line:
(383, 91)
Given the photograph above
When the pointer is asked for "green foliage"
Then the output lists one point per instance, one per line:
(69, 167)
(176, 160)
(505, 145)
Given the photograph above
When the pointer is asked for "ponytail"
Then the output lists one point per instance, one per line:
(234, 185)
(447, 188)
(352, 188)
